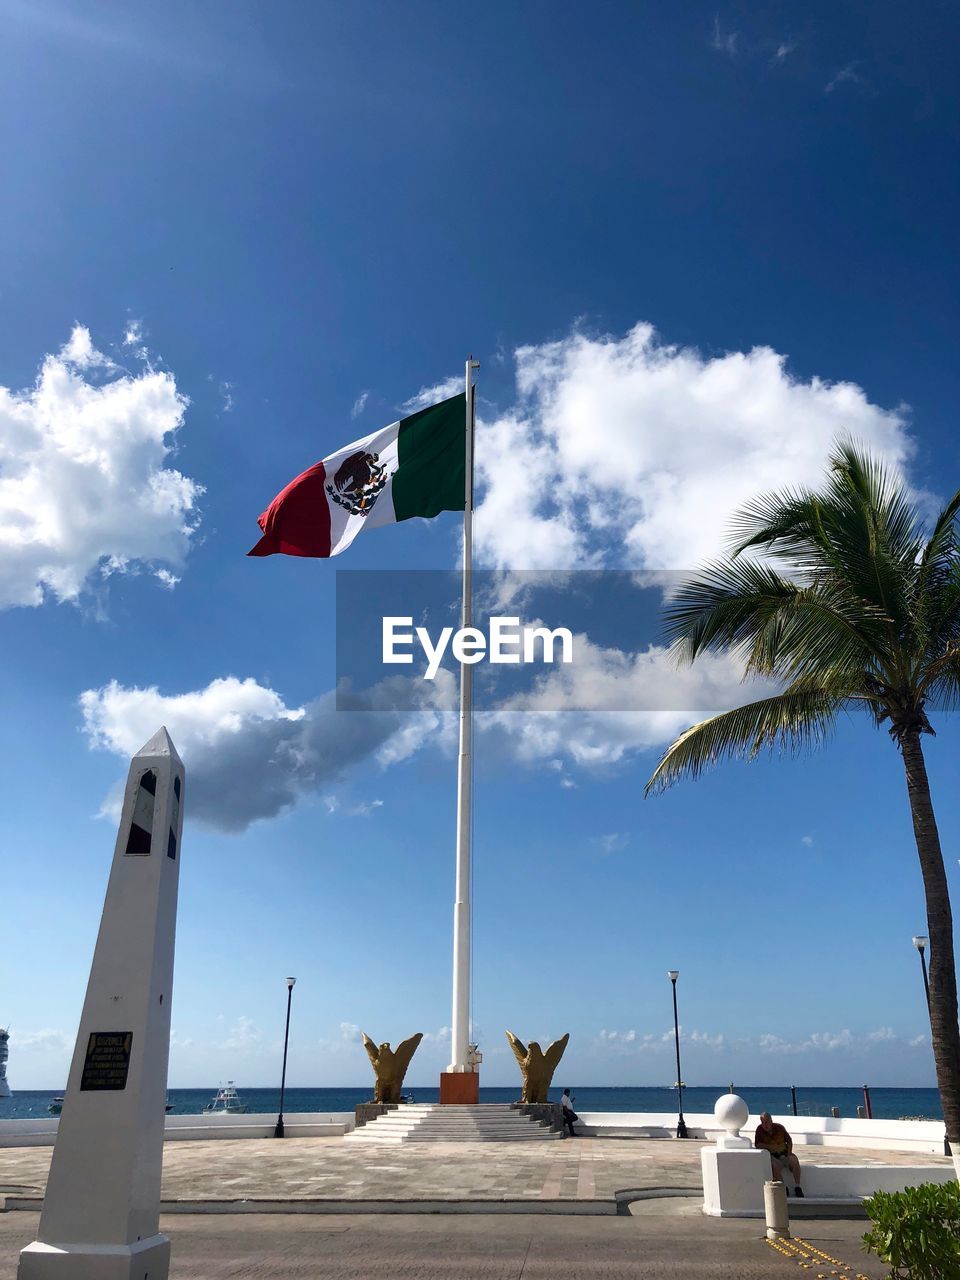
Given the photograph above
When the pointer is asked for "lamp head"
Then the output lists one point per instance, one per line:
(673, 974)
(290, 983)
(920, 942)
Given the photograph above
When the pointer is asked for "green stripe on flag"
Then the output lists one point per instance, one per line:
(431, 460)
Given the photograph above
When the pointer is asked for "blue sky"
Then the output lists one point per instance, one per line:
(690, 247)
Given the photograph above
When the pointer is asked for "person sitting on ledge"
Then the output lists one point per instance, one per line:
(775, 1139)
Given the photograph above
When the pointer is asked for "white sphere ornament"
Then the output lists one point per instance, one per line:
(731, 1113)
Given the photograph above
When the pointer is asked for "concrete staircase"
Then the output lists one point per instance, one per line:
(429, 1122)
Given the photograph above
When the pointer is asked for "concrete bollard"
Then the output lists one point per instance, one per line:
(775, 1210)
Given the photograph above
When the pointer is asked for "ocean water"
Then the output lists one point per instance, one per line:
(886, 1103)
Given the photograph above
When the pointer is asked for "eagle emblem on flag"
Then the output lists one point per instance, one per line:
(358, 483)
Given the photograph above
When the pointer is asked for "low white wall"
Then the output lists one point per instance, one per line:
(925, 1137)
(839, 1180)
(733, 1181)
(41, 1131)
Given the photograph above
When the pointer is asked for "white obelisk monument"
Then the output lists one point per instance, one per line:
(4, 1085)
(101, 1211)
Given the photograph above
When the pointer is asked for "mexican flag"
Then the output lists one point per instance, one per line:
(414, 467)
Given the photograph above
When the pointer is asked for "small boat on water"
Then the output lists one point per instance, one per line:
(227, 1102)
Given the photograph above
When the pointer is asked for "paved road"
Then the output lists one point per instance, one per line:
(675, 1241)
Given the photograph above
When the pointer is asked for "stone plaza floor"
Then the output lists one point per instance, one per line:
(588, 1171)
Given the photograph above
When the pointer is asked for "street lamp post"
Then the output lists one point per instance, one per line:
(278, 1131)
(673, 975)
(921, 943)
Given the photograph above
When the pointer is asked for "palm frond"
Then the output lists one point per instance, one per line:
(937, 594)
(781, 627)
(795, 719)
(777, 522)
(943, 544)
(849, 603)
(941, 683)
(880, 495)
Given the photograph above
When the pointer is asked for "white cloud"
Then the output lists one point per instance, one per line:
(633, 1042)
(347, 1039)
(166, 578)
(80, 351)
(724, 41)
(133, 337)
(835, 1044)
(250, 756)
(579, 712)
(832, 1041)
(359, 404)
(882, 1036)
(47, 1040)
(364, 809)
(244, 1036)
(807, 840)
(442, 1036)
(631, 452)
(829, 1040)
(123, 719)
(784, 50)
(704, 1038)
(620, 451)
(847, 75)
(614, 842)
(83, 477)
(427, 396)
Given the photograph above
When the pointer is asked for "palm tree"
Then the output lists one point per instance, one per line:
(854, 605)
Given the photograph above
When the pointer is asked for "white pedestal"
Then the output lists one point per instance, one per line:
(733, 1182)
(143, 1260)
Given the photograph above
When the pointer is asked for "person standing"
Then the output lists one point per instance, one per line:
(569, 1115)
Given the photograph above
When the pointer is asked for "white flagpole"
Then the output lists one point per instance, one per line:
(460, 1060)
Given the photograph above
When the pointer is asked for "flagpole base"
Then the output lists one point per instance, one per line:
(459, 1088)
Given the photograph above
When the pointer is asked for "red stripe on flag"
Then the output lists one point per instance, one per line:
(297, 521)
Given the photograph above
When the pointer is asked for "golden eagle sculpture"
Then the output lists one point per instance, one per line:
(390, 1066)
(536, 1066)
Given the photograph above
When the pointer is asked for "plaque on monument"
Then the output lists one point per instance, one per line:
(107, 1061)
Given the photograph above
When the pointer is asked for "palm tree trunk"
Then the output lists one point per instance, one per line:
(944, 1028)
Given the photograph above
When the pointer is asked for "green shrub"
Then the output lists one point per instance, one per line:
(916, 1231)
